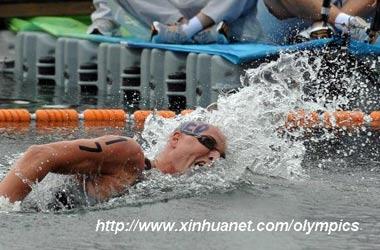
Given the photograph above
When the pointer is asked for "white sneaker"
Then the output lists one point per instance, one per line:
(103, 27)
(162, 33)
(214, 34)
(315, 31)
(358, 28)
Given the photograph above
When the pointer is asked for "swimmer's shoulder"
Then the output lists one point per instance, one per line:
(121, 142)
(124, 147)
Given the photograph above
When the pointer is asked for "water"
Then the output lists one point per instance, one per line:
(267, 176)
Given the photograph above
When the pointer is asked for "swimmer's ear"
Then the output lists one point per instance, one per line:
(173, 141)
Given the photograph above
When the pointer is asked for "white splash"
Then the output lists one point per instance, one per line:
(6, 206)
(250, 119)
(10, 160)
(43, 193)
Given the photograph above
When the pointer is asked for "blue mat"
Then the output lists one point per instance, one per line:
(244, 52)
(235, 53)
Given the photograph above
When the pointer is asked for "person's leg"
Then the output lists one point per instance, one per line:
(307, 9)
(355, 17)
(229, 20)
(361, 8)
(276, 8)
(310, 10)
(147, 11)
(102, 19)
(102, 10)
(135, 17)
(247, 28)
(278, 29)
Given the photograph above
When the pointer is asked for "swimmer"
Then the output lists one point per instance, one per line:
(108, 165)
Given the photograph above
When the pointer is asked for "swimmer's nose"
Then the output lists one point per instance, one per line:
(213, 155)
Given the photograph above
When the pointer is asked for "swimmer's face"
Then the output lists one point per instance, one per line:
(196, 144)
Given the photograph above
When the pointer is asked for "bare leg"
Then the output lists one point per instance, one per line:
(205, 20)
(148, 11)
(359, 8)
(307, 9)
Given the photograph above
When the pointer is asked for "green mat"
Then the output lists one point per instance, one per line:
(57, 26)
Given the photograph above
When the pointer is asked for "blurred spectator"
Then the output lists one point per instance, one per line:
(185, 21)
(103, 22)
(209, 21)
(282, 19)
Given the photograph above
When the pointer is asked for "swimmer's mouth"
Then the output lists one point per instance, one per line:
(203, 163)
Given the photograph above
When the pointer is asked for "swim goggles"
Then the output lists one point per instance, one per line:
(207, 141)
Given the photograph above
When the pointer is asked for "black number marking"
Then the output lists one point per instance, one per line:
(98, 148)
(116, 141)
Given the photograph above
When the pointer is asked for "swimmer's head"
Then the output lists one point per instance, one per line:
(192, 144)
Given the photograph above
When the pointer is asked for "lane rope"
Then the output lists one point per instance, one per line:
(294, 120)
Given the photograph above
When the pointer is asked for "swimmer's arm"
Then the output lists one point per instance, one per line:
(28, 169)
(104, 156)
(108, 172)
(104, 187)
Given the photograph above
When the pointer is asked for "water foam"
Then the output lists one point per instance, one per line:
(6, 206)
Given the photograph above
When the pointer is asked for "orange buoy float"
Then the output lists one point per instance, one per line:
(104, 115)
(302, 119)
(375, 120)
(56, 115)
(349, 119)
(140, 116)
(118, 118)
(14, 115)
(343, 119)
